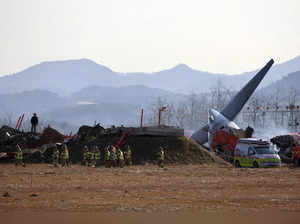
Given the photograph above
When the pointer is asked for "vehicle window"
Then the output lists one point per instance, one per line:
(251, 151)
(265, 150)
(243, 149)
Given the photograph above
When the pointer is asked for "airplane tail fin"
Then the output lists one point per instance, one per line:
(233, 108)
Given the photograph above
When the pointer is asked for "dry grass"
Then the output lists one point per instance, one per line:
(148, 189)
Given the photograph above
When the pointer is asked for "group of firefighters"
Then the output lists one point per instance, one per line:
(64, 156)
(113, 156)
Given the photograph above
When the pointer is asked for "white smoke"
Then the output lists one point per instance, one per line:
(270, 132)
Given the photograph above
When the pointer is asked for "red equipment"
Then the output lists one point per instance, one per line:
(159, 114)
(296, 149)
(224, 142)
(142, 115)
(123, 139)
(289, 147)
(20, 120)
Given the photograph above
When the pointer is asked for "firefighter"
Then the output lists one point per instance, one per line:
(85, 156)
(94, 157)
(120, 158)
(161, 157)
(97, 155)
(127, 155)
(65, 156)
(107, 157)
(19, 156)
(113, 156)
(91, 157)
(55, 156)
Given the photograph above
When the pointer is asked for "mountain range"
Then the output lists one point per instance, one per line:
(81, 92)
(67, 77)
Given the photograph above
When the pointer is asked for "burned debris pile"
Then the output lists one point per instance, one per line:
(32, 144)
(38, 147)
(289, 147)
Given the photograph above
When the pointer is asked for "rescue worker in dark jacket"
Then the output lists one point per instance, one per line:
(34, 122)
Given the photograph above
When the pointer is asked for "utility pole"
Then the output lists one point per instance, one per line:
(161, 109)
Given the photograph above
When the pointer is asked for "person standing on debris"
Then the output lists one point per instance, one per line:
(34, 122)
(120, 158)
(161, 157)
(19, 156)
(55, 156)
(107, 156)
(113, 156)
(127, 154)
(65, 156)
(86, 156)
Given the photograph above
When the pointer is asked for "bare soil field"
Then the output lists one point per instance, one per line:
(175, 188)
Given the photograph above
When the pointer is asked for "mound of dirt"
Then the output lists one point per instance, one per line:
(51, 135)
(180, 150)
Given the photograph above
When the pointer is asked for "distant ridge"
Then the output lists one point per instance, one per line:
(65, 77)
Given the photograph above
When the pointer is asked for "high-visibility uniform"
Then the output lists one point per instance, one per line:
(113, 157)
(94, 157)
(90, 157)
(19, 158)
(161, 158)
(127, 154)
(97, 154)
(65, 157)
(55, 157)
(121, 158)
(86, 157)
(107, 158)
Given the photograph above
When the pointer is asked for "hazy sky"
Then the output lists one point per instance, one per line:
(228, 36)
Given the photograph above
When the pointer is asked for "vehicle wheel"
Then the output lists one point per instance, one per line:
(228, 156)
(237, 164)
(295, 161)
(255, 165)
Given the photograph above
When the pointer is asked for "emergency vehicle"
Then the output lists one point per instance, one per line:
(250, 152)
(224, 141)
(289, 147)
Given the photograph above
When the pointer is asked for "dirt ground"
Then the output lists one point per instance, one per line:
(187, 188)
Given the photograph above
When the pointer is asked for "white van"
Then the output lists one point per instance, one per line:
(250, 152)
